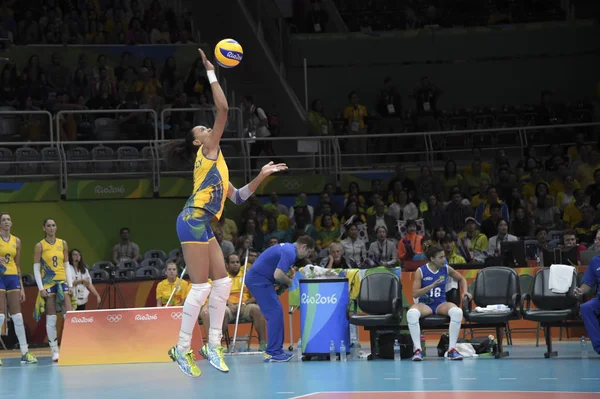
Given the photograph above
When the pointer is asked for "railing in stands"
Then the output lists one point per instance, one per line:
(333, 155)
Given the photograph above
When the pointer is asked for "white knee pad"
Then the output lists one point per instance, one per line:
(198, 294)
(413, 316)
(17, 320)
(221, 289)
(456, 315)
(2, 317)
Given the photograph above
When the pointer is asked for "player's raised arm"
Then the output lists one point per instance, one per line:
(241, 195)
(213, 139)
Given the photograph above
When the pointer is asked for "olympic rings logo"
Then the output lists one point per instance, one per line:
(114, 318)
(176, 315)
(292, 184)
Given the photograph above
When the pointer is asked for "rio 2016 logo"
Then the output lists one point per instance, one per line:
(317, 299)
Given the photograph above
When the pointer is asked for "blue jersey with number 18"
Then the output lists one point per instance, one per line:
(437, 295)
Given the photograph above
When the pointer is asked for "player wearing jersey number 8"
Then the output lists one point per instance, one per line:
(53, 277)
(11, 285)
(201, 251)
(429, 292)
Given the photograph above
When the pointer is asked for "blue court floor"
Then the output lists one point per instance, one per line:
(525, 371)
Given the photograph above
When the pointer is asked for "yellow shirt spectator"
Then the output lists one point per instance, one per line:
(485, 168)
(585, 173)
(355, 116)
(529, 189)
(336, 222)
(479, 242)
(236, 289)
(321, 125)
(165, 288)
(572, 214)
(283, 223)
(150, 86)
(558, 186)
(228, 226)
(455, 259)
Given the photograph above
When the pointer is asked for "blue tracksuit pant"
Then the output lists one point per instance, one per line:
(263, 290)
(590, 311)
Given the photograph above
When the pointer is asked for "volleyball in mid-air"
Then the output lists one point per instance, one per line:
(228, 53)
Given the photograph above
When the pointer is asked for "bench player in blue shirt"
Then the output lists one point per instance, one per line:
(590, 311)
(429, 291)
(271, 268)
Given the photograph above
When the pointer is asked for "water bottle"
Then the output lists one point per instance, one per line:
(299, 348)
(423, 345)
(584, 352)
(343, 357)
(397, 357)
(332, 355)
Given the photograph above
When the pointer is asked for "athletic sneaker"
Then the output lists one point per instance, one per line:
(215, 357)
(55, 356)
(28, 358)
(454, 355)
(278, 358)
(185, 361)
(417, 356)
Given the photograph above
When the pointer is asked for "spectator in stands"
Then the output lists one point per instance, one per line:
(541, 236)
(28, 29)
(316, 18)
(326, 209)
(472, 241)
(169, 80)
(135, 34)
(452, 258)
(273, 231)
(354, 247)
(480, 197)
(354, 191)
(352, 213)
(521, 224)
(400, 176)
(427, 185)
(451, 178)
(596, 245)
(547, 214)
(504, 185)
(501, 236)
(125, 249)
(565, 194)
(165, 288)
(242, 244)
(104, 97)
(530, 189)
(301, 202)
(483, 211)
(411, 244)
(253, 230)
(558, 183)
(124, 64)
(282, 209)
(161, 35)
(58, 75)
(433, 216)
(302, 224)
(327, 233)
(426, 95)
(403, 208)
(389, 107)
(489, 226)
(570, 241)
(283, 222)
(82, 281)
(486, 168)
(473, 181)
(228, 226)
(80, 85)
(226, 246)
(572, 213)
(456, 212)
(587, 227)
(383, 252)
(336, 258)
(593, 190)
(320, 124)
(258, 124)
(355, 115)
(270, 242)
(380, 218)
(574, 152)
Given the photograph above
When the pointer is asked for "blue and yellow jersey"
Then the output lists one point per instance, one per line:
(211, 182)
(8, 251)
(53, 262)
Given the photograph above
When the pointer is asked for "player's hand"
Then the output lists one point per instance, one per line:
(439, 281)
(205, 61)
(578, 291)
(98, 299)
(44, 294)
(22, 296)
(468, 295)
(271, 168)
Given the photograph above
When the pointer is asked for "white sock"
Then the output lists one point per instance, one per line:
(217, 302)
(20, 332)
(189, 318)
(456, 316)
(51, 331)
(412, 317)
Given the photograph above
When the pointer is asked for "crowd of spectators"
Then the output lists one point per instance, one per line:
(94, 22)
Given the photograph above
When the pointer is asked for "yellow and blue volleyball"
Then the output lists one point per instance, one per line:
(228, 53)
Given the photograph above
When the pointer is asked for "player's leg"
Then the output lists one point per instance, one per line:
(260, 324)
(191, 229)
(590, 311)
(413, 316)
(14, 308)
(67, 306)
(455, 313)
(51, 321)
(217, 303)
(2, 304)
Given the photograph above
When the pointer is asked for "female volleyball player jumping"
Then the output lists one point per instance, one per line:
(202, 253)
(11, 285)
(53, 277)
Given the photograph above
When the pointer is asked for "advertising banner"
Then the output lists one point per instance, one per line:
(109, 189)
(33, 191)
(117, 336)
(323, 304)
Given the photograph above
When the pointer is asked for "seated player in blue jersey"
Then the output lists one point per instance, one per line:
(590, 311)
(429, 291)
(269, 269)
